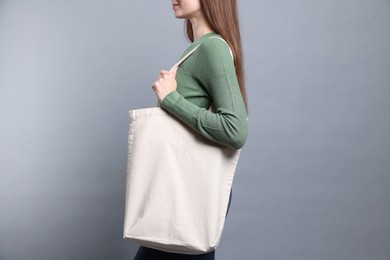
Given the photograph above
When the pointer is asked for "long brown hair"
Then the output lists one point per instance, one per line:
(222, 16)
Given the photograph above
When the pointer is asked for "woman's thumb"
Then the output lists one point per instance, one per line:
(174, 71)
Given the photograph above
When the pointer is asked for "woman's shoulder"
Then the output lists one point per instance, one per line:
(215, 46)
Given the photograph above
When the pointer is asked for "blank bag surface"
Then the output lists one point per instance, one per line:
(177, 185)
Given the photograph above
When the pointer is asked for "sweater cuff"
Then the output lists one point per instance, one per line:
(170, 100)
(175, 104)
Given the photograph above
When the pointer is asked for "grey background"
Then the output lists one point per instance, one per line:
(313, 180)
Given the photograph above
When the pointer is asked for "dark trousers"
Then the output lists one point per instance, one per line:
(145, 253)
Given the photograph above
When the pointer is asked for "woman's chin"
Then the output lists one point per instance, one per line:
(178, 16)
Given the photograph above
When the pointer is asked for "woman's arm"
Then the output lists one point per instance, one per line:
(228, 124)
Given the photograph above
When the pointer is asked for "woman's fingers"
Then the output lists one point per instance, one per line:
(164, 72)
(165, 84)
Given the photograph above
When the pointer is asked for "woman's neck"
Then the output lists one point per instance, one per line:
(200, 27)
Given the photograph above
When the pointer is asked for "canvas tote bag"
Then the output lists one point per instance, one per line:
(177, 186)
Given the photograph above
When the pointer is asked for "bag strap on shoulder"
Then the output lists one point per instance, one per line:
(184, 58)
(219, 38)
(194, 49)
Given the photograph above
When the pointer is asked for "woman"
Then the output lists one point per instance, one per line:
(211, 76)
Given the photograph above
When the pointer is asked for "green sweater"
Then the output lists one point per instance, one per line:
(206, 77)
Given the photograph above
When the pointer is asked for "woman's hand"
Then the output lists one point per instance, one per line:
(165, 84)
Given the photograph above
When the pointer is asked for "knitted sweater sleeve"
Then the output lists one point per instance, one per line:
(216, 72)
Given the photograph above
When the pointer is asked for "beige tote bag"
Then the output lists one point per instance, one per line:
(177, 186)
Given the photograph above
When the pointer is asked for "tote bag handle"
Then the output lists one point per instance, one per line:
(194, 49)
(184, 58)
